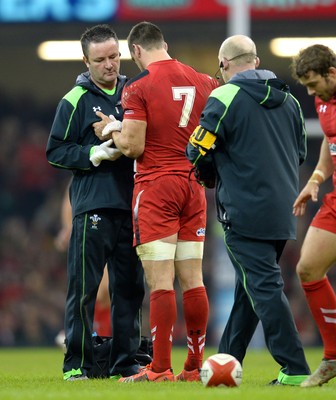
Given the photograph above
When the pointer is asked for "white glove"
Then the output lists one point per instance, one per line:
(114, 125)
(104, 152)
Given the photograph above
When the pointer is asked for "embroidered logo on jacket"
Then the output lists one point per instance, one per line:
(95, 219)
(95, 109)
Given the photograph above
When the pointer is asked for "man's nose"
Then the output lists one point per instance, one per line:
(109, 63)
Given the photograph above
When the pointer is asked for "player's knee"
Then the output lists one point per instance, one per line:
(304, 272)
(187, 250)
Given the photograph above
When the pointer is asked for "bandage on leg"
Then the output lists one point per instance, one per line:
(186, 250)
(156, 250)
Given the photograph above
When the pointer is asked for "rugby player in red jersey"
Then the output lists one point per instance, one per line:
(315, 68)
(162, 105)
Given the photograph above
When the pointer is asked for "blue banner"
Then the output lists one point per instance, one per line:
(18, 11)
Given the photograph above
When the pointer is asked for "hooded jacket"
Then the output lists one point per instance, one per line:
(261, 141)
(110, 185)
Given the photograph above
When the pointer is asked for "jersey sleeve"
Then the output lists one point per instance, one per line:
(133, 102)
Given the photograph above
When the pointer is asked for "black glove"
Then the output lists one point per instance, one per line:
(206, 175)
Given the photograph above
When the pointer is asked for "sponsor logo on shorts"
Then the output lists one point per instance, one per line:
(332, 147)
(200, 232)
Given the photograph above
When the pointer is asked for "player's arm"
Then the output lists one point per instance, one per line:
(325, 163)
(323, 170)
(131, 139)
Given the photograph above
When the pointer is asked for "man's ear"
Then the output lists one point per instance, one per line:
(225, 64)
(332, 72)
(86, 62)
(136, 50)
(257, 62)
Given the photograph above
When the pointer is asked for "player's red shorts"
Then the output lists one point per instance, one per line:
(325, 218)
(167, 205)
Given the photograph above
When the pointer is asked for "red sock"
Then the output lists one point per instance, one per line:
(102, 320)
(196, 314)
(321, 299)
(162, 316)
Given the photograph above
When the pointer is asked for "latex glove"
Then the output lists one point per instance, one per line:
(103, 152)
(114, 125)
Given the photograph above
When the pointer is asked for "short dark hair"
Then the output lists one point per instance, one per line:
(317, 58)
(147, 35)
(97, 34)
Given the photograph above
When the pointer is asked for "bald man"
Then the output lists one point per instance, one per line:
(252, 136)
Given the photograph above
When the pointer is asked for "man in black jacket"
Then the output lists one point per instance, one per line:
(101, 195)
(252, 138)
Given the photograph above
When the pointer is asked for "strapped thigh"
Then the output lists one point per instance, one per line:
(187, 250)
(157, 250)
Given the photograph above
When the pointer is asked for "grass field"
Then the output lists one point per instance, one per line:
(36, 374)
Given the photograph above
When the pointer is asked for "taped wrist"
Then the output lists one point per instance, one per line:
(317, 177)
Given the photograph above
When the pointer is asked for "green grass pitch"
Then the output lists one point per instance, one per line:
(36, 374)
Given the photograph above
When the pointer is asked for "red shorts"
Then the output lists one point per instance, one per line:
(325, 218)
(167, 205)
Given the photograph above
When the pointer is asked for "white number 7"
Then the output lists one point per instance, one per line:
(189, 93)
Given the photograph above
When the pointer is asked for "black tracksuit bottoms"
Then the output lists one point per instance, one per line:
(98, 237)
(259, 296)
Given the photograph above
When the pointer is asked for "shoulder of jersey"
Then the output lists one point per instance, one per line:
(137, 77)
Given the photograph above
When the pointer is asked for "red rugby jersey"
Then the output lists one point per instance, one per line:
(326, 111)
(170, 97)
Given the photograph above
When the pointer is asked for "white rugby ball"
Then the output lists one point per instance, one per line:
(221, 370)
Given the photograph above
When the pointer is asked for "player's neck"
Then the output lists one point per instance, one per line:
(156, 55)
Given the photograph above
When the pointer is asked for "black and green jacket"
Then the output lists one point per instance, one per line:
(111, 184)
(261, 141)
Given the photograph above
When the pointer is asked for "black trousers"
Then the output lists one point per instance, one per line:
(259, 296)
(99, 237)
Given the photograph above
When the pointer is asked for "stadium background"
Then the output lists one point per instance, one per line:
(32, 271)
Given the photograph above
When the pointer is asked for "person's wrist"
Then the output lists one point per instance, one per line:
(317, 177)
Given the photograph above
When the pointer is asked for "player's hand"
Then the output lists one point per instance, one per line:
(113, 125)
(100, 125)
(104, 152)
(310, 191)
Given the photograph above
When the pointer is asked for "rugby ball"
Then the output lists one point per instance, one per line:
(221, 370)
